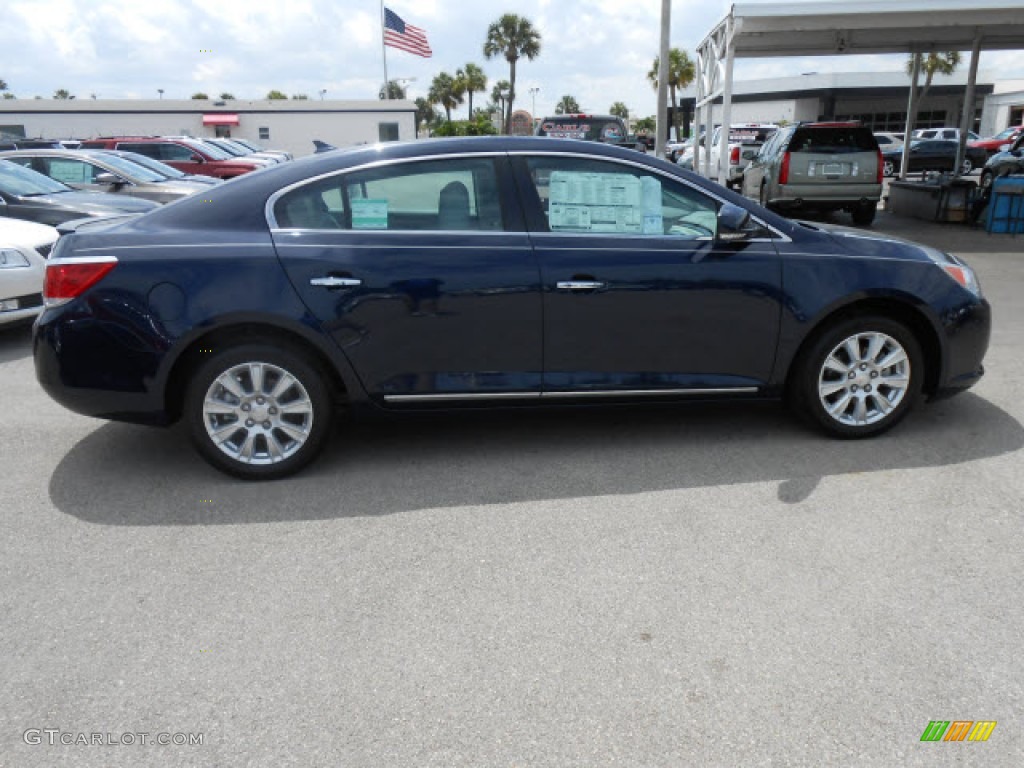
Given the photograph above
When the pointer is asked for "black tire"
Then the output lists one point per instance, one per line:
(279, 443)
(986, 179)
(811, 384)
(967, 167)
(762, 196)
(864, 214)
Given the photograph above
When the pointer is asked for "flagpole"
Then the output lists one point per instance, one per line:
(384, 51)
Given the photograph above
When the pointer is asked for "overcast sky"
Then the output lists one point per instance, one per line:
(597, 50)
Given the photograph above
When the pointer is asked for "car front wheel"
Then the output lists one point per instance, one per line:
(258, 412)
(859, 377)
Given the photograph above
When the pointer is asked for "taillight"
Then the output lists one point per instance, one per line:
(734, 156)
(784, 169)
(65, 280)
(881, 162)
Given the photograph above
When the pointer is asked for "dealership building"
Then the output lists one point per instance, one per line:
(877, 99)
(277, 124)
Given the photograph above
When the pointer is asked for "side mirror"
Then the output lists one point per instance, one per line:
(108, 178)
(732, 223)
(197, 159)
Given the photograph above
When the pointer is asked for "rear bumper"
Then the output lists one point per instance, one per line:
(825, 195)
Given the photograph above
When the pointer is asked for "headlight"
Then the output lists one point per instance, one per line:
(11, 259)
(956, 269)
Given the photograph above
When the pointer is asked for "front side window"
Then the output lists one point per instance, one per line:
(597, 197)
(68, 171)
(459, 194)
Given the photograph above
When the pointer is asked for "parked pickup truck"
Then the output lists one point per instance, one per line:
(744, 142)
(604, 128)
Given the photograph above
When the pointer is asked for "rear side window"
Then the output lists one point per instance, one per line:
(834, 140)
(449, 195)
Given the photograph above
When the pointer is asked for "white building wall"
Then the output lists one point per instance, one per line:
(292, 125)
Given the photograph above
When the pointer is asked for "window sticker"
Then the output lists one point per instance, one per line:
(604, 202)
(369, 214)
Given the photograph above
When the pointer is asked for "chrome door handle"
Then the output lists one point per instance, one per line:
(336, 282)
(580, 285)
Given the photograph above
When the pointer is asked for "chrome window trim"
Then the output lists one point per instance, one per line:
(268, 209)
(350, 232)
(453, 396)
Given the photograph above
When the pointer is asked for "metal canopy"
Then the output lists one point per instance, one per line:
(842, 28)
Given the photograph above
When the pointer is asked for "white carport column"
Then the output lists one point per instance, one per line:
(723, 140)
(967, 118)
(915, 70)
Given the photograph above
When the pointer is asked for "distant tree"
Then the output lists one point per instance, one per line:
(471, 79)
(62, 93)
(227, 96)
(426, 115)
(276, 95)
(681, 72)
(395, 91)
(499, 97)
(199, 95)
(933, 64)
(619, 110)
(3, 85)
(646, 124)
(9, 95)
(444, 92)
(300, 97)
(567, 105)
(512, 37)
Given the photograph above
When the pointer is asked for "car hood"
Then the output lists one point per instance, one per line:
(94, 202)
(18, 232)
(858, 242)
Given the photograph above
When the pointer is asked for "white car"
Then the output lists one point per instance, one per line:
(24, 246)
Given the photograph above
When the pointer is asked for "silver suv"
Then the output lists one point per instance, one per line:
(818, 166)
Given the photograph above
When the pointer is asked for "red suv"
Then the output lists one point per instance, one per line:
(185, 155)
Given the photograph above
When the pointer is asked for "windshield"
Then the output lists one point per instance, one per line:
(833, 140)
(229, 148)
(248, 145)
(22, 182)
(213, 151)
(163, 170)
(578, 127)
(132, 170)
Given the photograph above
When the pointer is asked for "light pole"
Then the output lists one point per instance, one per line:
(161, 92)
(533, 99)
(322, 92)
(403, 82)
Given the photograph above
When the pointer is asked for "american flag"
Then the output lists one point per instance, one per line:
(404, 36)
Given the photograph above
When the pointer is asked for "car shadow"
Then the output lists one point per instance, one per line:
(127, 475)
(15, 342)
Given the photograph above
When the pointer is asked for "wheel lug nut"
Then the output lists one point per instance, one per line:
(863, 367)
(266, 425)
(259, 401)
(874, 374)
(249, 422)
(852, 375)
(867, 388)
(853, 388)
(273, 411)
(246, 406)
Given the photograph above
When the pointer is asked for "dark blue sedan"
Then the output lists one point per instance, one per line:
(488, 271)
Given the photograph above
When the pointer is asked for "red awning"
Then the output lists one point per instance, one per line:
(220, 119)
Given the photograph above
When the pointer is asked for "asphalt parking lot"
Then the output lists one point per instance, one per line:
(706, 585)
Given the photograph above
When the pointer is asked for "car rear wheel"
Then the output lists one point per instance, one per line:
(986, 179)
(859, 377)
(967, 167)
(258, 412)
(888, 168)
(864, 213)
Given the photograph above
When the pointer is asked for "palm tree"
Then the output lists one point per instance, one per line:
(619, 110)
(681, 72)
(942, 64)
(200, 95)
(395, 91)
(227, 96)
(499, 95)
(567, 105)
(276, 96)
(513, 37)
(444, 91)
(472, 79)
(62, 93)
(426, 115)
